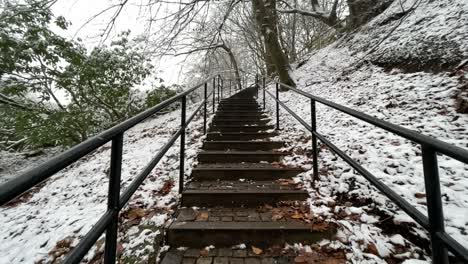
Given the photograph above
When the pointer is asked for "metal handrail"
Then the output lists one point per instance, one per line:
(108, 222)
(434, 222)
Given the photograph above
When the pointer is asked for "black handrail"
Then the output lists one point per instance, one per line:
(434, 222)
(108, 222)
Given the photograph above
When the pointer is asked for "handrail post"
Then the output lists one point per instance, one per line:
(204, 106)
(182, 146)
(277, 107)
(222, 84)
(256, 83)
(214, 93)
(264, 103)
(113, 199)
(434, 204)
(218, 88)
(230, 89)
(313, 119)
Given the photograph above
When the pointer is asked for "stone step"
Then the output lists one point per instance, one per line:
(242, 145)
(238, 103)
(256, 121)
(245, 198)
(216, 136)
(240, 112)
(224, 227)
(240, 116)
(237, 100)
(236, 171)
(213, 156)
(239, 108)
(237, 128)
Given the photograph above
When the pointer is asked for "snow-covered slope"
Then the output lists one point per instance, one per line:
(69, 204)
(418, 100)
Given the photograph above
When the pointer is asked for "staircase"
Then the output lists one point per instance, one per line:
(240, 193)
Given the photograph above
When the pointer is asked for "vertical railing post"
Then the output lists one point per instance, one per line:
(256, 83)
(204, 107)
(230, 89)
(113, 197)
(264, 103)
(313, 119)
(434, 204)
(277, 107)
(222, 86)
(218, 88)
(214, 94)
(182, 146)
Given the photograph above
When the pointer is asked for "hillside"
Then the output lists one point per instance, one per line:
(49, 221)
(409, 89)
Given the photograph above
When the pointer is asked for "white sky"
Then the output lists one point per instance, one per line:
(131, 18)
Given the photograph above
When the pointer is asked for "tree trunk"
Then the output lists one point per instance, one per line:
(265, 16)
(234, 64)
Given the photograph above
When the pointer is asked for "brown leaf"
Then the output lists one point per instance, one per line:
(203, 216)
(419, 195)
(300, 259)
(135, 213)
(297, 216)
(204, 253)
(167, 187)
(371, 248)
(320, 227)
(276, 214)
(256, 250)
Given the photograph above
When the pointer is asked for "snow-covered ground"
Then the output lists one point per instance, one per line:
(420, 101)
(69, 204)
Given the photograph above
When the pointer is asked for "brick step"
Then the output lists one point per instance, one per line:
(256, 121)
(239, 108)
(240, 119)
(237, 128)
(240, 116)
(240, 112)
(238, 103)
(219, 234)
(238, 100)
(245, 198)
(210, 173)
(213, 156)
(242, 145)
(216, 136)
(224, 227)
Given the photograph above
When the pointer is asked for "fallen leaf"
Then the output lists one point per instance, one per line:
(256, 250)
(300, 259)
(419, 195)
(320, 227)
(167, 187)
(203, 216)
(297, 216)
(371, 248)
(204, 253)
(135, 213)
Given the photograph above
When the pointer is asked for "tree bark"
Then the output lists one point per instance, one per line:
(234, 64)
(266, 18)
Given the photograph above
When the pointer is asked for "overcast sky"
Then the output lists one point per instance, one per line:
(133, 18)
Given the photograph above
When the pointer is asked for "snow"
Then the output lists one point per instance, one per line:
(421, 101)
(72, 200)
